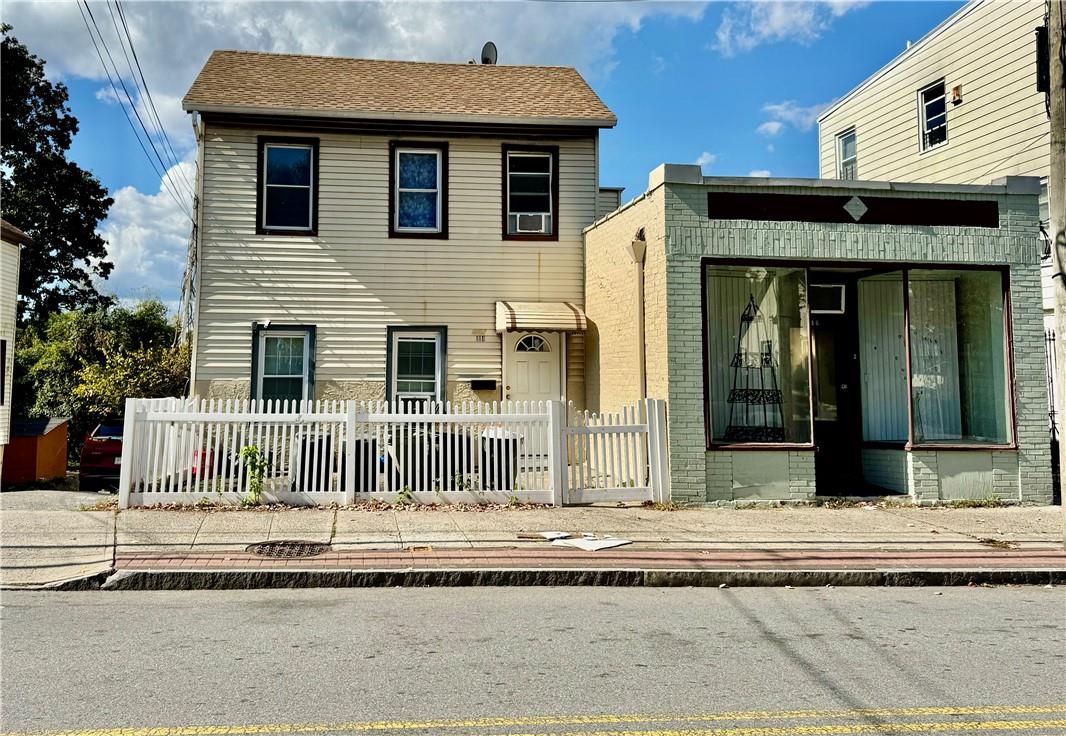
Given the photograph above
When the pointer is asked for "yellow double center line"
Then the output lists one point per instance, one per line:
(831, 730)
(639, 719)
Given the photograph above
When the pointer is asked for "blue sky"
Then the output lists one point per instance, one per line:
(735, 85)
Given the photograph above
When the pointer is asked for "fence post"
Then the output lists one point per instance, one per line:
(129, 444)
(658, 451)
(557, 451)
(349, 454)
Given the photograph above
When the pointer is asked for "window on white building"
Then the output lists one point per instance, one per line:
(933, 113)
(847, 156)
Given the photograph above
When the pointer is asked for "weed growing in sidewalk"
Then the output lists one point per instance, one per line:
(664, 505)
(253, 459)
(404, 497)
(106, 505)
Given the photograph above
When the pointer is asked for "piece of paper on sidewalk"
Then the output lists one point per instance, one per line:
(555, 535)
(543, 535)
(591, 545)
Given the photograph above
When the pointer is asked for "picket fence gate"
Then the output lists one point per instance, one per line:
(184, 451)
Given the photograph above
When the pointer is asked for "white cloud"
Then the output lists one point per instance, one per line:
(749, 24)
(173, 39)
(147, 239)
(705, 160)
(770, 128)
(759, 172)
(790, 113)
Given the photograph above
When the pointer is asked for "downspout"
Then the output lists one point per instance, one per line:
(637, 251)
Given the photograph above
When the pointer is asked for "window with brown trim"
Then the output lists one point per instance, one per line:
(287, 186)
(418, 189)
(934, 362)
(758, 354)
(959, 368)
(530, 192)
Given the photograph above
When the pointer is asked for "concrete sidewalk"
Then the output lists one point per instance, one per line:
(45, 540)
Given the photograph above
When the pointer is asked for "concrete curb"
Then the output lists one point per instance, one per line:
(422, 578)
(92, 581)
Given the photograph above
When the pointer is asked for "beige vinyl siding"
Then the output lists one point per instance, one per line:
(988, 49)
(352, 280)
(9, 280)
(610, 200)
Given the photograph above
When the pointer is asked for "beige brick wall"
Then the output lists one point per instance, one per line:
(612, 350)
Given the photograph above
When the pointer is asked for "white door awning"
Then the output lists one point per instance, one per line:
(540, 316)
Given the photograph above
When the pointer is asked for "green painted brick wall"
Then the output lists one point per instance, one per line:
(698, 476)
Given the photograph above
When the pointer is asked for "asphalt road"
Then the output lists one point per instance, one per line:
(660, 662)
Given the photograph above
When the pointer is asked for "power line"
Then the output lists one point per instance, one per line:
(128, 119)
(166, 184)
(1009, 157)
(129, 98)
(141, 96)
(148, 93)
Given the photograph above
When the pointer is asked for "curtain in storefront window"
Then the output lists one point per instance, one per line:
(958, 357)
(757, 333)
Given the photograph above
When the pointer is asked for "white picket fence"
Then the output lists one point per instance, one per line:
(321, 452)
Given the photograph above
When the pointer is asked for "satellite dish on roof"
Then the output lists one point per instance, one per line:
(488, 53)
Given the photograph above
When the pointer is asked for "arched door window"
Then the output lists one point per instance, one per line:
(532, 344)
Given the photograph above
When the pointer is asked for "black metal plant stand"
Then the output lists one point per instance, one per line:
(755, 400)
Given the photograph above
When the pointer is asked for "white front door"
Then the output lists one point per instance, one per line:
(532, 366)
(532, 371)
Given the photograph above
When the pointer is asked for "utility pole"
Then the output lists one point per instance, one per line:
(1057, 204)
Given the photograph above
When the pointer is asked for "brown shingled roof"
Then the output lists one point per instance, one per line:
(256, 82)
(12, 234)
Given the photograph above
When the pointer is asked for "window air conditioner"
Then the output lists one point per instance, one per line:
(532, 223)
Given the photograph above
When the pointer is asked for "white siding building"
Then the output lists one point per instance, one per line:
(11, 239)
(361, 224)
(958, 106)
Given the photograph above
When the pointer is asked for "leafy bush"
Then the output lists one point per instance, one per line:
(83, 364)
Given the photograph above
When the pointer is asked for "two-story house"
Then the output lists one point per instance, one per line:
(382, 229)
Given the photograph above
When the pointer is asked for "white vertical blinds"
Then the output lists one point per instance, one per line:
(883, 358)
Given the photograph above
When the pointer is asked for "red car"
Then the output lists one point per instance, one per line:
(101, 457)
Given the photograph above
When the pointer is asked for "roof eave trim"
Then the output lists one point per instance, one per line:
(914, 48)
(11, 234)
(398, 116)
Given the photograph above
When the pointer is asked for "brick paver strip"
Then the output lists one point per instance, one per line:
(611, 559)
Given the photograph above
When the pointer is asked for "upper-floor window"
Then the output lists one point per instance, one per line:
(531, 192)
(847, 156)
(933, 113)
(288, 180)
(419, 204)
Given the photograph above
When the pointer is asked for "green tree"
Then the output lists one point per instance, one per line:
(83, 364)
(54, 200)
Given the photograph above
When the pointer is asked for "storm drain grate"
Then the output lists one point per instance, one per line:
(288, 548)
